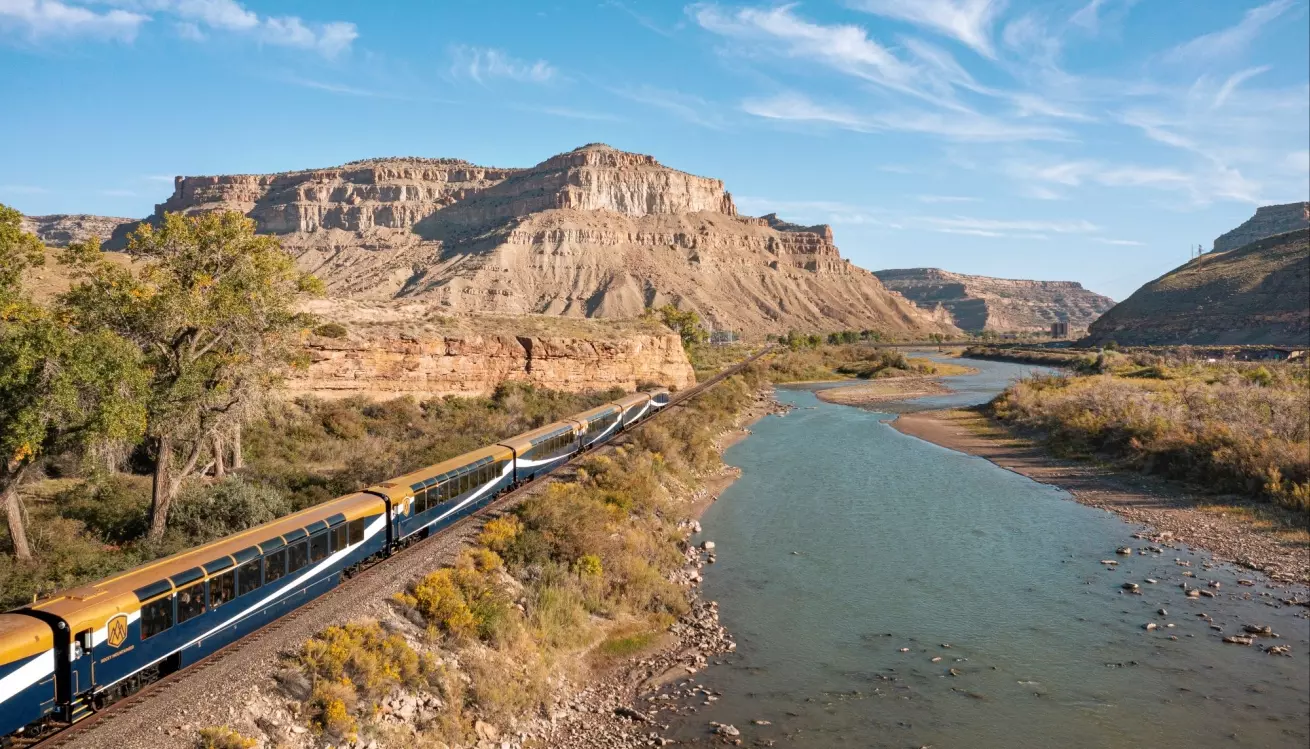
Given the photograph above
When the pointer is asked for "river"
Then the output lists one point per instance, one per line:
(845, 542)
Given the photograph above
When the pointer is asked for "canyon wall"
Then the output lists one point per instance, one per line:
(978, 303)
(62, 229)
(430, 366)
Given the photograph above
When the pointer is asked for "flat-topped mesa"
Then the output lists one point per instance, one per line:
(978, 303)
(1267, 221)
(594, 232)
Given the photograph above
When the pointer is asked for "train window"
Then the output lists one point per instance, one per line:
(463, 483)
(356, 530)
(299, 557)
(318, 547)
(156, 616)
(250, 576)
(190, 602)
(339, 537)
(222, 588)
(275, 565)
(421, 500)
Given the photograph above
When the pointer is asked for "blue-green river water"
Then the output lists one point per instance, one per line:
(845, 541)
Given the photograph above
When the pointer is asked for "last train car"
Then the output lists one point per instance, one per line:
(431, 498)
(633, 408)
(543, 449)
(27, 673)
(659, 398)
(115, 635)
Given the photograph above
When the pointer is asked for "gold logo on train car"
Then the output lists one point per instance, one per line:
(117, 630)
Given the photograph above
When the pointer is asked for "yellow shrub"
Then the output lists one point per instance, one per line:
(222, 737)
(365, 657)
(331, 713)
(500, 532)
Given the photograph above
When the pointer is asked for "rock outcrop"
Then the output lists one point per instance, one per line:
(62, 229)
(978, 303)
(390, 349)
(594, 232)
(1256, 294)
(1267, 221)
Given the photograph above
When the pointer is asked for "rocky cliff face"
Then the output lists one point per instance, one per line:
(978, 303)
(391, 349)
(594, 232)
(1267, 221)
(62, 229)
(1255, 294)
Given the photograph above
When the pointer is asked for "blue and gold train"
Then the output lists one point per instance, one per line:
(70, 654)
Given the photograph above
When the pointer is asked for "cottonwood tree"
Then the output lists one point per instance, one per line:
(212, 311)
(61, 388)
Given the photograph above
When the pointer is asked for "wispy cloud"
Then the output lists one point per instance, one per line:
(1233, 82)
(484, 64)
(45, 19)
(24, 189)
(1004, 228)
(348, 90)
(967, 21)
(1232, 40)
(158, 178)
(191, 19)
(947, 199)
(1119, 242)
(576, 114)
(814, 211)
(687, 107)
(961, 126)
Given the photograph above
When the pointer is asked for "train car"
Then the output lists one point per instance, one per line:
(634, 407)
(27, 672)
(543, 449)
(598, 425)
(659, 398)
(434, 497)
(115, 635)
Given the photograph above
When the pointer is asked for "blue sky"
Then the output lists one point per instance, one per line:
(1089, 140)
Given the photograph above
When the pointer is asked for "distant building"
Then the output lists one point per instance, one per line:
(1059, 330)
(721, 337)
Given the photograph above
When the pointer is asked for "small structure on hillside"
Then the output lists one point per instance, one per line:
(1060, 329)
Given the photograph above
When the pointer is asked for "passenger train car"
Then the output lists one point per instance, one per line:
(70, 654)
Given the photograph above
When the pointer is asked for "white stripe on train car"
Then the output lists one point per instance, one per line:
(509, 467)
(601, 436)
(637, 415)
(27, 674)
(371, 530)
(534, 463)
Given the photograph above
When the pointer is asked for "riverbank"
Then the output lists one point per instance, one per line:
(881, 391)
(1255, 536)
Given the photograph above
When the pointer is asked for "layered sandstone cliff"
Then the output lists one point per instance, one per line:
(978, 303)
(62, 229)
(389, 349)
(1267, 221)
(1256, 294)
(594, 232)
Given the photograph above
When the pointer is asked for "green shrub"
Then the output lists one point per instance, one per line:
(204, 513)
(331, 330)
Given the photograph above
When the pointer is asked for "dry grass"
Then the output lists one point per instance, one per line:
(1228, 428)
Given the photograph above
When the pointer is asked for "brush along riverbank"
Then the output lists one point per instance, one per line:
(546, 626)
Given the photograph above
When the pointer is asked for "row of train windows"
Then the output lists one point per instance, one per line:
(600, 424)
(554, 445)
(158, 615)
(426, 499)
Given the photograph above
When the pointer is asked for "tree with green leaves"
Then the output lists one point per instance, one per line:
(212, 309)
(61, 388)
(686, 323)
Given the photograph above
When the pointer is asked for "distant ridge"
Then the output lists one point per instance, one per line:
(1258, 293)
(983, 303)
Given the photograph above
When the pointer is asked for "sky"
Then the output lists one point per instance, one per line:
(1087, 140)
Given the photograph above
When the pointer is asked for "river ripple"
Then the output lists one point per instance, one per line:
(845, 541)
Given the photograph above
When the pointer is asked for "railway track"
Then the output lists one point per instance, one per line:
(124, 707)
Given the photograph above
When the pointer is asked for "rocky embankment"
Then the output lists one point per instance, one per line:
(595, 232)
(62, 229)
(978, 303)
